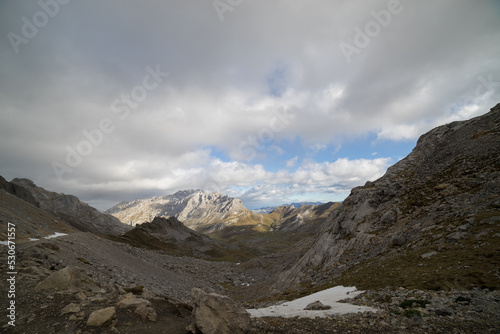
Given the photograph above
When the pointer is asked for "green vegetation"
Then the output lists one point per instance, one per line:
(83, 260)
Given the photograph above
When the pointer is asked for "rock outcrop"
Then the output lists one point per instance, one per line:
(69, 278)
(102, 317)
(443, 197)
(304, 218)
(216, 314)
(172, 236)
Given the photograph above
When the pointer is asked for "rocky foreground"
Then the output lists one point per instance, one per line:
(84, 284)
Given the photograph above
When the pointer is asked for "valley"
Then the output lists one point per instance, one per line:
(421, 243)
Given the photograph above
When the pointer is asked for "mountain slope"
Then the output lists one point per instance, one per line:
(29, 220)
(70, 209)
(198, 210)
(432, 221)
(174, 237)
(304, 218)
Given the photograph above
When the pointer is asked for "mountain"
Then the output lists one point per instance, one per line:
(68, 208)
(269, 209)
(30, 221)
(431, 222)
(304, 218)
(174, 237)
(198, 210)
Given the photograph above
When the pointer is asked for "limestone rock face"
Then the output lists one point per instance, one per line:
(217, 314)
(197, 209)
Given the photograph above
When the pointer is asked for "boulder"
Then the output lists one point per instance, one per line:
(444, 311)
(102, 317)
(146, 313)
(129, 300)
(71, 308)
(317, 306)
(388, 218)
(428, 255)
(217, 314)
(64, 279)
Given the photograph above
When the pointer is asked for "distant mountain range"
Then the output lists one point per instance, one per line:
(196, 209)
(212, 212)
(269, 209)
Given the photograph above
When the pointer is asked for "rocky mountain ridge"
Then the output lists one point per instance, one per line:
(67, 208)
(432, 221)
(269, 209)
(212, 212)
(195, 208)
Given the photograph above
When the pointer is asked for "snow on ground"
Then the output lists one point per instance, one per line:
(328, 297)
(55, 235)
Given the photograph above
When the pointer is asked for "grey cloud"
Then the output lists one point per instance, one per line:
(423, 68)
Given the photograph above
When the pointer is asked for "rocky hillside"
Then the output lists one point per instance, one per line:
(269, 209)
(196, 209)
(30, 221)
(68, 208)
(173, 237)
(303, 218)
(431, 222)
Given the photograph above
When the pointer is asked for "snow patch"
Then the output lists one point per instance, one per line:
(55, 235)
(329, 297)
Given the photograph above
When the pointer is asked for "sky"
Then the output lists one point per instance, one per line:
(271, 102)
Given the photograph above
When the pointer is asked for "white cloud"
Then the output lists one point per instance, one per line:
(292, 162)
(228, 87)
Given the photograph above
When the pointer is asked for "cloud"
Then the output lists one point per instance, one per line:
(223, 107)
(292, 162)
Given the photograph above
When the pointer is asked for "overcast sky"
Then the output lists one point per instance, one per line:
(268, 101)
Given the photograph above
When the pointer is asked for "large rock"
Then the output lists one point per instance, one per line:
(317, 306)
(64, 279)
(216, 314)
(102, 317)
(146, 313)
